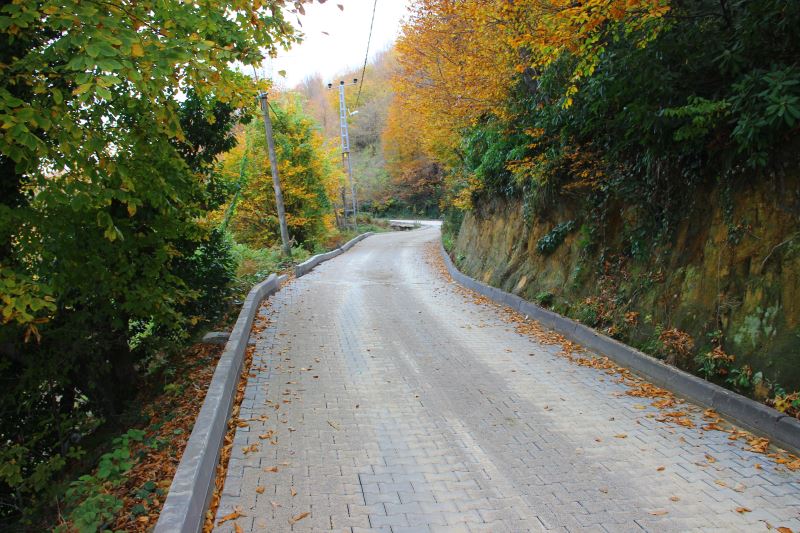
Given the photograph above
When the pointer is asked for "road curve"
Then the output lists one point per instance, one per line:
(384, 399)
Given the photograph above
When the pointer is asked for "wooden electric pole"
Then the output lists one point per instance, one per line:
(276, 183)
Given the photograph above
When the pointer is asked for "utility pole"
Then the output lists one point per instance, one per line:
(276, 184)
(346, 147)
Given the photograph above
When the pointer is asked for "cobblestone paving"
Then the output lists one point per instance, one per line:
(390, 402)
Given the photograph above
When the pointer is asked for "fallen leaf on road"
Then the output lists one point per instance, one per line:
(333, 425)
(237, 528)
(784, 530)
(660, 468)
(621, 436)
(293, 520)
(742, 510)
(660, 512)
(721, 483)
(739, 488)
(758, 445)
(271, 469)
(711, 458)
(275, 504)
(674, 498)
(294, 492)
(604, 490)
(249, 449)
(260, 490)
(237, 512)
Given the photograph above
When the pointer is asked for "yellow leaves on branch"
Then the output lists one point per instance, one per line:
(458, 60)
(542, 30)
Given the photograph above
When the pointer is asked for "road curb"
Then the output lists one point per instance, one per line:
(193, 483)
(760, 419)
(308, 265)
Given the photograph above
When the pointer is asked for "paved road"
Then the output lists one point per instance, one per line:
(392, 402)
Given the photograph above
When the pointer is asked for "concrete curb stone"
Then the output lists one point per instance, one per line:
(193, 483)
(308, 265)
(754, 416)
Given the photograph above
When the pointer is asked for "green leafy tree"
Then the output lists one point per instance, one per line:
(111, 113)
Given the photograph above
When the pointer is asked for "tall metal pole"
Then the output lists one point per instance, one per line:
(346, 151)
(276, 183)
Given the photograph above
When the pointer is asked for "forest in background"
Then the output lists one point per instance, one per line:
(394, 178)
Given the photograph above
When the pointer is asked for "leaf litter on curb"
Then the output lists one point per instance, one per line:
(662, 398)
(227, 443)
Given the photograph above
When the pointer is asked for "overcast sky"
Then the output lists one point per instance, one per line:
(344, 46)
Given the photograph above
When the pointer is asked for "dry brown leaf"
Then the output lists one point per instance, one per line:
(621, 436)
(237, 528)
(237, 512)
(260, 490)
(271, 469)
(742, 510)
(784, 529)
(250, 449)
(294, 492)
(711, 458)
(674, 498)
(659, 512)
(758, 445)
(660, 468)
(296, 518)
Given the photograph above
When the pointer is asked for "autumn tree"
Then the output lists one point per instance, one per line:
(310, 172)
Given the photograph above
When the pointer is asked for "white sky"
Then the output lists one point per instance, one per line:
(344, 46)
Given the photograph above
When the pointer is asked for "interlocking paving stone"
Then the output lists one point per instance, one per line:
(397, 405)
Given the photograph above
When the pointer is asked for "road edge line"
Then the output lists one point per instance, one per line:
(193, 482)
(761, 419)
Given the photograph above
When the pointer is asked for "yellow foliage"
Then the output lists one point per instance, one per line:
(309, 174)
(457, 60)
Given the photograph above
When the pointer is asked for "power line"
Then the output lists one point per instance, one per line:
(366, 55)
